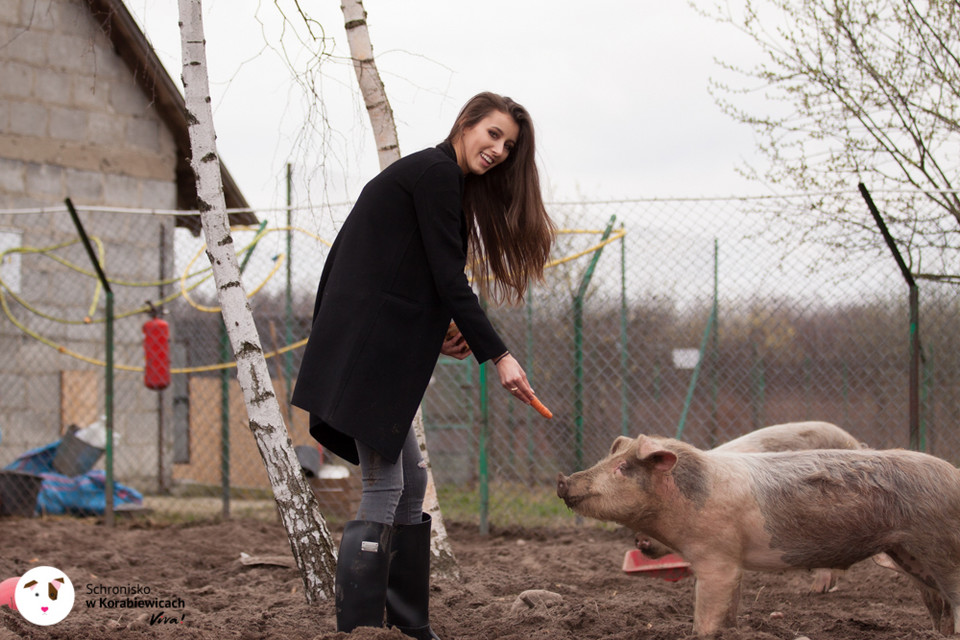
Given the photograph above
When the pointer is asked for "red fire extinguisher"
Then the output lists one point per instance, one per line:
(156, 352)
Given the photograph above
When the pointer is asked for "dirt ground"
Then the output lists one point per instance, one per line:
(223, 598)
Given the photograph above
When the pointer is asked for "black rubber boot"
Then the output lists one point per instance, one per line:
(362, 569)
(408, 588)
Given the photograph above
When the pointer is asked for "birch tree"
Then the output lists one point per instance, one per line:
(854, 91)
(388, 151)
(310, 539)
(371, 87)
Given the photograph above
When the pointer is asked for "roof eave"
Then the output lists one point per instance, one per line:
(135, 50)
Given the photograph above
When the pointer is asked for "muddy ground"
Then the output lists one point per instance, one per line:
(223, 598)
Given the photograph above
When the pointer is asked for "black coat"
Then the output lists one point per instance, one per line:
(392, 281)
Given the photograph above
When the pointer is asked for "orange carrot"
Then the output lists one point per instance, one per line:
(451, 330)
(542, 410)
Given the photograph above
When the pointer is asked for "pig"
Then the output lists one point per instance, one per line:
(790, 436)
(729, 511)
(793, 436)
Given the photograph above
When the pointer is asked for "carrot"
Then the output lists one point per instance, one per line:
(451, 330)
(542, 410)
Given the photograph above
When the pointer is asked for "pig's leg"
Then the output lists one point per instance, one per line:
(943, 613)
(717, 596)
(825, 580)
(939, 589)
(950, 614)
(937, 607)
(951, 596)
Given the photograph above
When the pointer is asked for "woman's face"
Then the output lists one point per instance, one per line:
(487, 143)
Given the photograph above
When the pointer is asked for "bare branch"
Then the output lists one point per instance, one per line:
(852, 90)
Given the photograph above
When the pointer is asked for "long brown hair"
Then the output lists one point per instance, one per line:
(510, 231)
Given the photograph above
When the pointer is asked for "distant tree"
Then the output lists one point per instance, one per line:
(871, 93)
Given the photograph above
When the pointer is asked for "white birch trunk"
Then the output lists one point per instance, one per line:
(374, 94)
(310, 539)
(444, 563)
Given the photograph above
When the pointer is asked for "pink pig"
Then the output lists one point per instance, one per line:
(728, 511)
(790, 436)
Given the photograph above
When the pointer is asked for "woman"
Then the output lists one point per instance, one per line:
(390, 286)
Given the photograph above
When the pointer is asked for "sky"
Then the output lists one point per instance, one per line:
(618, 91)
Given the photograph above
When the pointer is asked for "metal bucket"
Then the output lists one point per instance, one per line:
(75, 457)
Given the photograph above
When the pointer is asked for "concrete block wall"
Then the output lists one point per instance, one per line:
(73, 123)
(71, 116)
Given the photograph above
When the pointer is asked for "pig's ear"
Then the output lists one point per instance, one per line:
(621, 443)
(650, 452)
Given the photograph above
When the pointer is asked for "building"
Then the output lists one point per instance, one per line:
(87, 112)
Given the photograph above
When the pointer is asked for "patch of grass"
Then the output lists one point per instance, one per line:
(183, 510)
(199, 490)
(510, 504)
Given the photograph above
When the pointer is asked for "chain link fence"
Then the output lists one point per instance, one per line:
(700, 319)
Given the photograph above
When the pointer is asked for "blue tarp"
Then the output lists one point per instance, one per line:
(82, 495)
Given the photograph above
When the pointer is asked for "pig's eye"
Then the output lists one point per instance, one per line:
(618, 471)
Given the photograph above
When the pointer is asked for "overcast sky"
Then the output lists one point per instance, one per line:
(618, 90)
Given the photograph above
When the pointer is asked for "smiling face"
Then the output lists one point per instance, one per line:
(487, 143)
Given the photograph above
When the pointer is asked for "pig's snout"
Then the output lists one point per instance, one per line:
(572, 499)
(562, 489)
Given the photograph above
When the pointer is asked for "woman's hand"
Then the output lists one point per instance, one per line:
(514, 379)
(455, 345)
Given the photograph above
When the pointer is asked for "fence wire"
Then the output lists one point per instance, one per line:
(699, 319)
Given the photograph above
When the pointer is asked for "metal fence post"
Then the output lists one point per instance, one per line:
(578, 343)
(108, 379)
(914, 319)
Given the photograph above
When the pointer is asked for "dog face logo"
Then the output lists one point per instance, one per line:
(44, 595)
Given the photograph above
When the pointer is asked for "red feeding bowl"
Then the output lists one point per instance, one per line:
(7, 589)
(670, 567)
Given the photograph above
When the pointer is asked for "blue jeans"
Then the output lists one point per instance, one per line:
(393, 491)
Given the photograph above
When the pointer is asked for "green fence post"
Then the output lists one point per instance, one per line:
(696, 374)
(578, 345)
(624, 411)
(225, 356)
(926, 413)
(914, 305)
(288, 324)
(759, 386)
(715, 350)
(483, 462)
(108, 399)
(531, 466)
(711, 324)
(845, 391)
